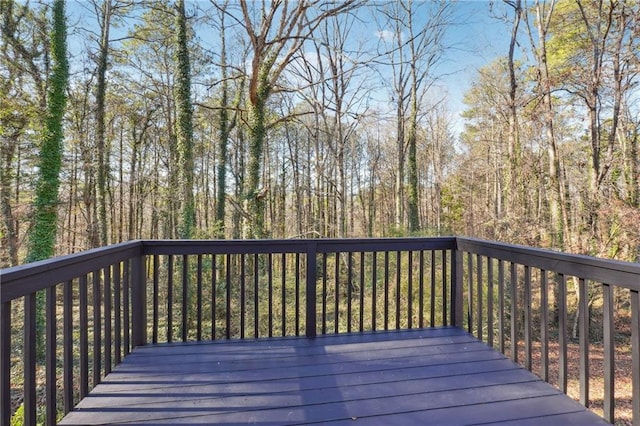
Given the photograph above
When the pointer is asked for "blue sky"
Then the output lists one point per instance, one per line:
(480, 38)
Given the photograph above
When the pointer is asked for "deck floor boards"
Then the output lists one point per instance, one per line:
(439, 376)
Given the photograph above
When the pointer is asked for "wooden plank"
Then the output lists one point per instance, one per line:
(439, 375)
(544, 329)
(432, 295)
(106, 349)
(199, 297)
(50, 357)
(342, 365)
(445, 301)
(417, 355)
(609, 353)
(438, 337)
(501, 326)
(290, 346)
(67, 343)
(97, 327)
(513, 300)
(161, 385)
(563, 372)
(470, 293)
(117, 313)
(499, 413)
(490, 313)
(527, 318)
(184, 309)
(374, 287)
(366, 399)
(84, 338)
(126, 309)
(488, 403)
(29, 359)
(488, 373)
(583, 335)
(324, 245)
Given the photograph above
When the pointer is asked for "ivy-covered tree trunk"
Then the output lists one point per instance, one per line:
(254, 200)
(184, 124)
(42, 236)
(43, 232)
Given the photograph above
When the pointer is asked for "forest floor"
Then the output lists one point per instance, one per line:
(623, 410)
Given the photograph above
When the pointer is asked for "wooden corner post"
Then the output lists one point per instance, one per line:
(138, 300)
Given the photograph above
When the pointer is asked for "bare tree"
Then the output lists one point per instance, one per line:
(276, 36)
(415, 49)
(559, 223)
(514, 147)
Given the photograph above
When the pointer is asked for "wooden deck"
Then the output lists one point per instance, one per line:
(428, 376)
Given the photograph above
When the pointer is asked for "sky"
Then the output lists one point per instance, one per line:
(481, 36)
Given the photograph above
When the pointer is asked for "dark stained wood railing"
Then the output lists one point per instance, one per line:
(88, 299)
(102, 303)
(531, 288)
(239, 289)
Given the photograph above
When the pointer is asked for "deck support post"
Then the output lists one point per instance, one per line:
(456, 287)
(138, 300)
(310, 324)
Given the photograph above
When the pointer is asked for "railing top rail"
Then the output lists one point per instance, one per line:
(322, 245)
(624, 274)
(24, 279)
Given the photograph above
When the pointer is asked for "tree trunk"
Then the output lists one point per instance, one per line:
(514, 138)
(101, 87)
(7, 152)
(184, 123)
(42, 236)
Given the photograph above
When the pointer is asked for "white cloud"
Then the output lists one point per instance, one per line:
(385, 35)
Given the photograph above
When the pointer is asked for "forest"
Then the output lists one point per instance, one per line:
(129, 119)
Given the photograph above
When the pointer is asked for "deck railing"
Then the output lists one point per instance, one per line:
(530, 287)
(100, 304)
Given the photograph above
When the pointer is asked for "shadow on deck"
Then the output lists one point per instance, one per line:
(421, 376)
